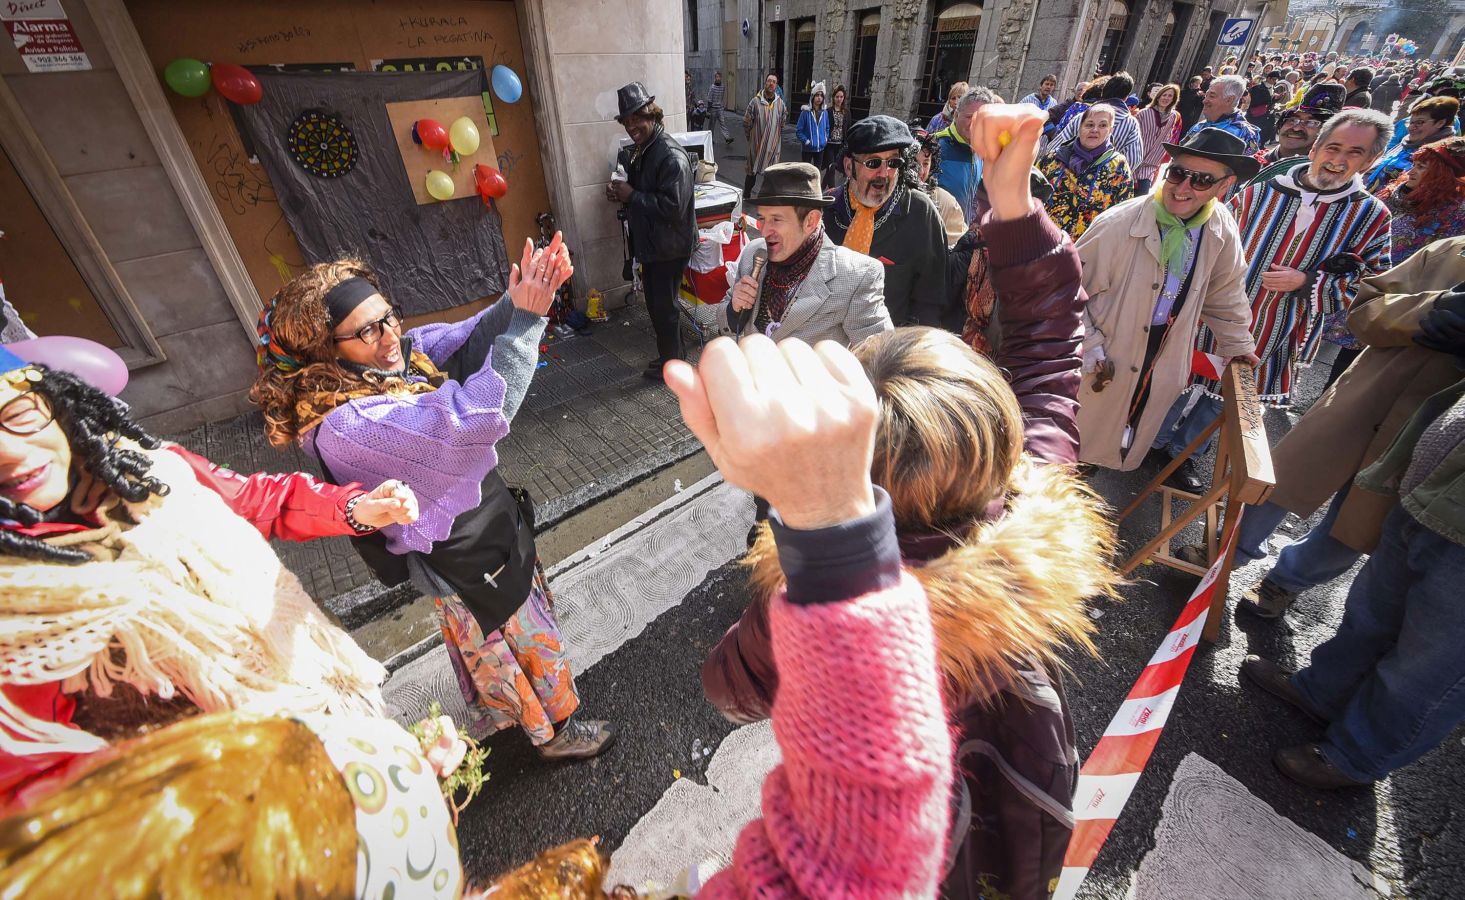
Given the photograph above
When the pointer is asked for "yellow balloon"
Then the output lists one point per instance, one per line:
(440, 185)
(464, 135)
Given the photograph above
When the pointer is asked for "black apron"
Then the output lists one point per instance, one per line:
(488, 557)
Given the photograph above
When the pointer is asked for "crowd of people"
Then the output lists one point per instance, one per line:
(940, 325)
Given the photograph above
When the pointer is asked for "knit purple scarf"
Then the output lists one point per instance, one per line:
(1077, 158)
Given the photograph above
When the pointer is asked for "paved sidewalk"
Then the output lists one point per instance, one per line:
(589, 426)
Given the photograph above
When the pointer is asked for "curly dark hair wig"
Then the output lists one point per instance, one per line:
(290, 399)
(94, 425)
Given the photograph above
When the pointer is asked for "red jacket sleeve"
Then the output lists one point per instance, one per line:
(292, 506)
(1036, 273)
(44, 701)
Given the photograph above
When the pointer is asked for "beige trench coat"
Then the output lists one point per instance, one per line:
(1356, 419)
(1122, 274)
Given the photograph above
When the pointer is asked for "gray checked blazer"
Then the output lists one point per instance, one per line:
(842, 299)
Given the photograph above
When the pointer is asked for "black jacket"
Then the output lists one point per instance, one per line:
(662, 213)
(911, 244)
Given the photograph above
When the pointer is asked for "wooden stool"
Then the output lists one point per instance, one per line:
(1243, 474)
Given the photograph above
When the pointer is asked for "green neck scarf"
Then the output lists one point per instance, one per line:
(1173, 230)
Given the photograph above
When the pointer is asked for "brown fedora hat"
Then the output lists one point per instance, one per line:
(791, 184)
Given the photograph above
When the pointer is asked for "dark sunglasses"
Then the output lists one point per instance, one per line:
(26, 414)
(372, 332)
(1199, 180)
(897, 163)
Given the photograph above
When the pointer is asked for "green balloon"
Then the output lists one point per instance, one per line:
(188, 77)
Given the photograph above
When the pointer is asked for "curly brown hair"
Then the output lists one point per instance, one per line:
(294, 401)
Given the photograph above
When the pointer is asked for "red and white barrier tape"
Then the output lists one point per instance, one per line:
(1111, 771)
(1207, 365)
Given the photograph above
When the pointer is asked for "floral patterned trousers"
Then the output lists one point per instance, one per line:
(516, 675)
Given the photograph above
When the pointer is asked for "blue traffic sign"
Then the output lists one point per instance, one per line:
(1235, 32)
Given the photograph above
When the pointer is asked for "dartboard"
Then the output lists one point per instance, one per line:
(322, 144)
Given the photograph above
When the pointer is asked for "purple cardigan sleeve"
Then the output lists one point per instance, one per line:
(1036, 274)
(441, 340)
(441, 443)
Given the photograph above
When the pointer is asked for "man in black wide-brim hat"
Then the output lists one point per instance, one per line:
(658, 198)
(1155, 268)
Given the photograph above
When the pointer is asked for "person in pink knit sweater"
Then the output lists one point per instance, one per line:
(859, 806)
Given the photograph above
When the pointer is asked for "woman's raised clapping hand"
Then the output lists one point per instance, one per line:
(535, 279)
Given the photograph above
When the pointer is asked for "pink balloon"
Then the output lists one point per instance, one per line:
(98, 366)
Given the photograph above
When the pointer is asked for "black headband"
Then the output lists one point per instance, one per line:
(343, 299)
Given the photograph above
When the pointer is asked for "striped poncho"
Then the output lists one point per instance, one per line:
(763, 123)
(1284, 224)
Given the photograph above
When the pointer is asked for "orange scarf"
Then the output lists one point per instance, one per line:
(862, 227)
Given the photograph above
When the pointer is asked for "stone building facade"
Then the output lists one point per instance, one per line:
(897, 57)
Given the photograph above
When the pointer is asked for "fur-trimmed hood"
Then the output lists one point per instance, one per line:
(1014, 588)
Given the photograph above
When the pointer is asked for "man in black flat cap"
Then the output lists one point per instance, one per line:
(881, 212)
(657, 202)
(810, 288)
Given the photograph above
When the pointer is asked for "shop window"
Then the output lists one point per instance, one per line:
(1161, 68)
(863, 65)
(1115, 36)
(802, 71)
(949, 50)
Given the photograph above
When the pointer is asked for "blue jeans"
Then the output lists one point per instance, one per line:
(1175, 433)
(1392, 680)
(1142, 186)
(1317, 558)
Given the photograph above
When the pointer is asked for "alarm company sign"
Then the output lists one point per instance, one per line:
(43, 36)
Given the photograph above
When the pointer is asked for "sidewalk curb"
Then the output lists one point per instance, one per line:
(575, 560)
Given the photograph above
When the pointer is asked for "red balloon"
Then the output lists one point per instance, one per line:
(432, 133)
(236, 83)
(490, 181)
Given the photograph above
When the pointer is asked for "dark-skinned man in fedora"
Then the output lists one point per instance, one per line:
(658, 204)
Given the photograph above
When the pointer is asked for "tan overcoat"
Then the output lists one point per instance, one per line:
(1122, 275)
(1356, 419)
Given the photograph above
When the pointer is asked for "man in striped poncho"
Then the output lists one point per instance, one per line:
(763, 124)
(1310, 234)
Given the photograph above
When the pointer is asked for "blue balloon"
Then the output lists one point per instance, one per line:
(506, 84)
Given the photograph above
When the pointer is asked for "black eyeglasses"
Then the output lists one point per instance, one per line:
(1199, 180)
(897, 163)
(372, 332)
(26, 414)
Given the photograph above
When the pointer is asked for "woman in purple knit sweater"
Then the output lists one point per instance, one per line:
(429, 407)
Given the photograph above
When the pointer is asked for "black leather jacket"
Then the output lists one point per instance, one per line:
(661, 213)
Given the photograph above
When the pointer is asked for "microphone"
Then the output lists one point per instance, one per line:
(739, 317)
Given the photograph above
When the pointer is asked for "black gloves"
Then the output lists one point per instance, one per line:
(1443, 327)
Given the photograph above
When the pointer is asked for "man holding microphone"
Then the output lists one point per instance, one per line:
(794, 281)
